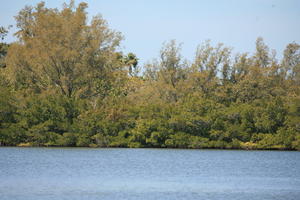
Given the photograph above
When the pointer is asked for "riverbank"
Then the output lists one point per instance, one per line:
(244, 146)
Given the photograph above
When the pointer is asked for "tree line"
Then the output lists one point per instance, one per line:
(65, 82)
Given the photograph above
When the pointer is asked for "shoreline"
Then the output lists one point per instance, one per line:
(158, 148)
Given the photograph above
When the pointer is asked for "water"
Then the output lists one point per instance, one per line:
(148, 174)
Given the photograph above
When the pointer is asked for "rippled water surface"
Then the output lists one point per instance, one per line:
(108, 174)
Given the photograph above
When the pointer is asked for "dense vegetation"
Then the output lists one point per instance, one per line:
(66, 83)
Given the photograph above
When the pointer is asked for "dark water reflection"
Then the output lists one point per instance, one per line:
(78, 173)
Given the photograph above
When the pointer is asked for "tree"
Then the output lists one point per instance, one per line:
(131, 61)
(291, 62)
(262, 58)
(3, 47)
(208, 62)
(66, 83)
(168, 71)
(59, 50)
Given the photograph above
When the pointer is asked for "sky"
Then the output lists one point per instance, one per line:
(147, 24)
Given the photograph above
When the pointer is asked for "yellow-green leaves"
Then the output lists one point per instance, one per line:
(59, 50)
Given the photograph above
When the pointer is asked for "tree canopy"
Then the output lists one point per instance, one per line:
(66, 82)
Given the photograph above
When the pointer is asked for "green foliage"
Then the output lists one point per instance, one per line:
(178, 140)
(64, 83)
(296, 142)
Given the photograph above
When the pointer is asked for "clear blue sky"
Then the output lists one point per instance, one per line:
(147, 24)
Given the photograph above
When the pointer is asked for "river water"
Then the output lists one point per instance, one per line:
(148, 174)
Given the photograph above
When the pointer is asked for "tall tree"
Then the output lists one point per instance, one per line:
(291, 61)
(58, 49)
(168, 71)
